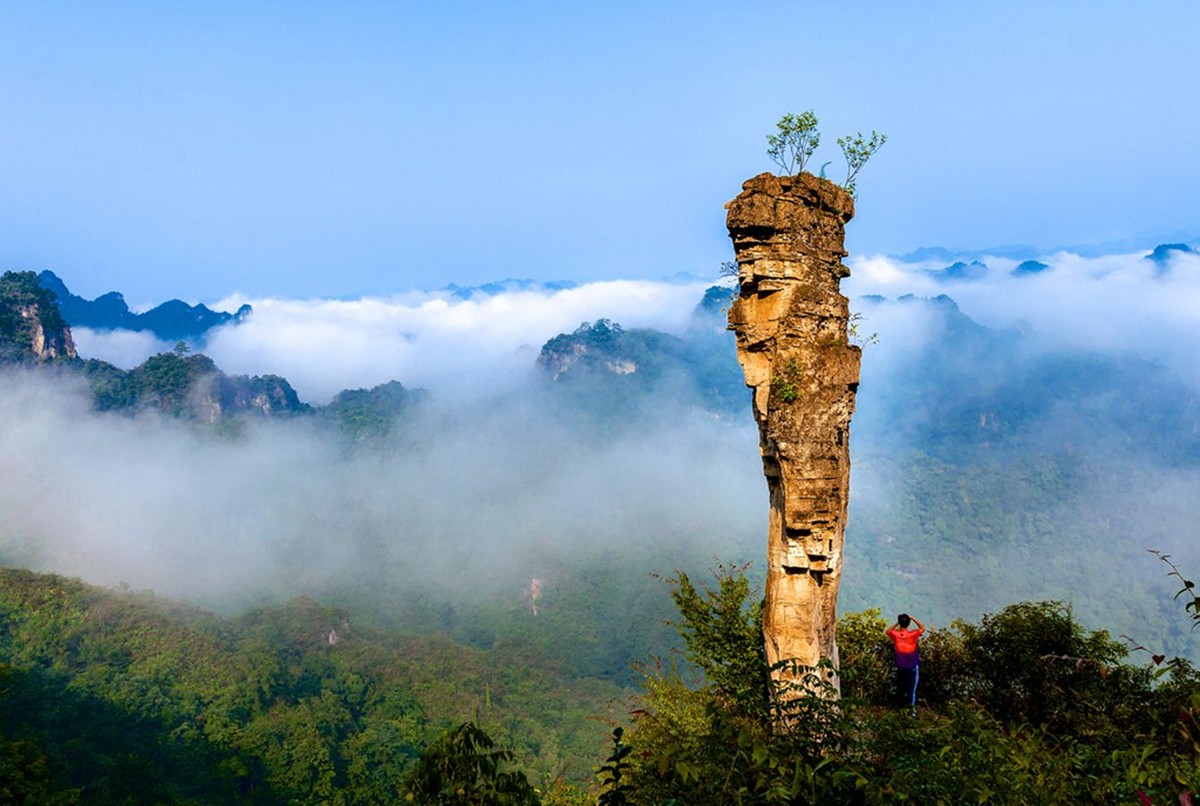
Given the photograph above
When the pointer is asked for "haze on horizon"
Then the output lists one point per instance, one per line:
(332, 152)
(1116, 303)
(283, 509)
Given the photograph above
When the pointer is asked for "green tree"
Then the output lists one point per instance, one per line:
(1032, 662)
(794, 142)
(464, 767)
(722, 630)
(866, 667)
(1191, 601)
(857, 149)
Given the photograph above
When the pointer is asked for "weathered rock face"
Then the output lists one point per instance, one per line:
(791, 323)
(32, 329)
(47, 344)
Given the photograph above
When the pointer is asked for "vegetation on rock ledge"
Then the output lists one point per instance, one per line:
(797, 138)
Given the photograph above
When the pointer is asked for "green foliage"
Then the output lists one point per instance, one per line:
(1191, 601)
(20, 293)
(794, 142)
(264, 711)
(162, 381)
(112, 389)
(724, 740)
(613, 376)
(188, 386)
(25, 776)
(1027, 707)
(722, 631)
(855, 333)
(785, 390)
(857, 150)
(1033, 663)
(465, 768)
(786, 382)
(615, 791)
(370, 414)
(867, 668)
(797, 137)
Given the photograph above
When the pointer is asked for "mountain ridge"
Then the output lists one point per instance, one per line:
(169, 321)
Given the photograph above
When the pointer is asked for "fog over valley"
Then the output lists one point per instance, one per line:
(1028, 437)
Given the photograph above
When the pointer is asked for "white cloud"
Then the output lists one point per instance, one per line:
(458, 346)
(117, 499)
(123, 348)
(283, 509)
(1113, 303)
(434, 341)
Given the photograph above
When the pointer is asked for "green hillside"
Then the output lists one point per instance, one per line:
(120, 697)
(114, 697)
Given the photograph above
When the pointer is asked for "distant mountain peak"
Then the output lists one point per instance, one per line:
(1162, 255)
(508, 286)
(170, 321)
(1028, 268)
(959, 272)
(943, 255)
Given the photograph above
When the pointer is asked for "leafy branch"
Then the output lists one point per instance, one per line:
(1187, 591)
(795, 142)
(797, 137)
(857, 150)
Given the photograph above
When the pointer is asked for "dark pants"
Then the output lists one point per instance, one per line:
(906, 685)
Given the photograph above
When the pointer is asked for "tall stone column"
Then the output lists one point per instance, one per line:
(792, 322)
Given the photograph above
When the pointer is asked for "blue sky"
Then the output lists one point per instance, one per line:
(327, 150)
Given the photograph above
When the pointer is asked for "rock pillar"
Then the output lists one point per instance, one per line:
(792, 327)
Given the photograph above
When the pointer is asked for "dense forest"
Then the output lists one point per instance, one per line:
(1009, 493)
(119, 697)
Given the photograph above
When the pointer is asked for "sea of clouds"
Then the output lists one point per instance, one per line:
(1122, 303)
(492, 482)
(1115, 303)
(433, 340)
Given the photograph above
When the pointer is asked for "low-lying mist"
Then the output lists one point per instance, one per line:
(465, 495)
(473, 346)
(1030, 442)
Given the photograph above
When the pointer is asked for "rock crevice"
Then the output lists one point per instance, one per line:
(792, 326)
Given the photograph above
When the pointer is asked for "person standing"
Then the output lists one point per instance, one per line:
(908, 659)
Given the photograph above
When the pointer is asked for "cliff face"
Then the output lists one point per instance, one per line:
(791, 323)
(47, 344)
(31, 327)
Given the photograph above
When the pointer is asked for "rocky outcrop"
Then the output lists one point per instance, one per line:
(32, 330)
(47, 344)
(792, 326)
(214, 396)
(601, 345)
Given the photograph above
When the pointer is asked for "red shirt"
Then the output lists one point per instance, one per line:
(905, 642)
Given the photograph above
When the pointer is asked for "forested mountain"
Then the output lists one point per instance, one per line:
(613, 372)
(987, 468)
(34, 330)
(169, 321)
(190, 386)
(494, 561)
(119, 697)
